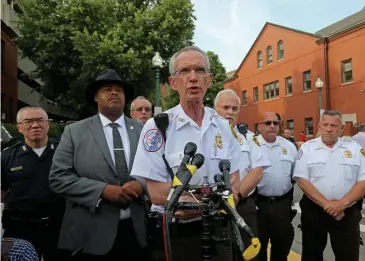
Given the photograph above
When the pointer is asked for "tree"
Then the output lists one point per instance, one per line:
(219, 76)
(72, 41)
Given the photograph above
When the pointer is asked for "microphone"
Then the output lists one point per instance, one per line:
(182, 179)
(242, 128)
(189, 151)
(225, 167)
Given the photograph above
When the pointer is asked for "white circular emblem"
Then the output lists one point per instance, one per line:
(152, 140)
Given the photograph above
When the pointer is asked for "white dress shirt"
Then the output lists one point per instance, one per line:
(108, 131)
(360, 138)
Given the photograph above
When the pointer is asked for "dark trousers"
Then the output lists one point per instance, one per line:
(125, 247)
(344, 234)
(247, 209)
(43, 235)
(274, 225)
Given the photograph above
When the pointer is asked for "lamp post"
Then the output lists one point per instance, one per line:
(157, 65)
(319, 86)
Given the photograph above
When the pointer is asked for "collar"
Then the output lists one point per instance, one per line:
(105, 121)
(262, 141)
(25, 148)
(182, 118)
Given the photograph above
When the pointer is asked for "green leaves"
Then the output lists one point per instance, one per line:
(72, 41)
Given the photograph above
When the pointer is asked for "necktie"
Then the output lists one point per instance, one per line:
(120, 162)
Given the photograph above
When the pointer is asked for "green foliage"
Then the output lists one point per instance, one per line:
(72, 41)
(219, 76)
(55, 130)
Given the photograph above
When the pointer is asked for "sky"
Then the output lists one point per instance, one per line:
(229, 27)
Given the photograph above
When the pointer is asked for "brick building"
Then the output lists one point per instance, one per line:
(280, 70)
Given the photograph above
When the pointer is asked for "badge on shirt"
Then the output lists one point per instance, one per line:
(219, 141)
(24, 148)
(348, 154)
(299, 155)
(283, 150)
(362, 151)
(240, 141)
(52, 146)
(256, 140)
(181, 120)
(16, 168)
(152, 140)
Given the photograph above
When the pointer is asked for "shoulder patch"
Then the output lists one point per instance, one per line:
(362, 151)
(299, 155)
(256, 140)
(152, 140)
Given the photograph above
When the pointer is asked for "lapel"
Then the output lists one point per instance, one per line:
(133, 139)
(98, 132)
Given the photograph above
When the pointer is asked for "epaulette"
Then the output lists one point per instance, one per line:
(255, 139)
(13, 146)
(233, 132)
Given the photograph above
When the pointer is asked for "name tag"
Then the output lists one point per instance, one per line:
(16, 168)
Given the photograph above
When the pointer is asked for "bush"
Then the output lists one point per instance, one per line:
(55, 130)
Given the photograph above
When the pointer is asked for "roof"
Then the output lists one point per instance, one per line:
(230, 73)
(257, 38)
(343, 24)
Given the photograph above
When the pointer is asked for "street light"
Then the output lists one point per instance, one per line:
(319, 86)
(157, 65)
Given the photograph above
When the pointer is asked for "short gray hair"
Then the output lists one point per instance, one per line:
(173, 58)
(333, 113)
(29, 108)
(226, 91)
(361, 127)
(139, 98)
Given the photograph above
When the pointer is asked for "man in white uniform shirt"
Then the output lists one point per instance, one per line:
(227, 104)
(189, 121)
(331, 172)
(275, 191)
(360, 136)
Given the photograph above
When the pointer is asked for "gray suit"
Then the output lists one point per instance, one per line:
(82, 167)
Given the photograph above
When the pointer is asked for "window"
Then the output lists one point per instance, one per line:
(271, 90)
(269, 55)
(280, 50)
(307, 81)
(2, 54)
(244, 97)
(257, 132)
(308, 126)
(347, 71)
(255, 94)
(259, 59)
(290, 126)
(288, 86)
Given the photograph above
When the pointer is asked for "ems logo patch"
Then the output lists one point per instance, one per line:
(152, 140)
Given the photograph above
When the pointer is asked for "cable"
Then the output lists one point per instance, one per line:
(166, 237)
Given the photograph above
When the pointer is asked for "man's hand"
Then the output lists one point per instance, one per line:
(340, 216)
(134, 186)
(335, 207)
(117, 194)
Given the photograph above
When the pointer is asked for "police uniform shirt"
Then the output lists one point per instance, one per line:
(332, 171)
(24, 175)
(252, 156)
(277, 179)
(214, 140)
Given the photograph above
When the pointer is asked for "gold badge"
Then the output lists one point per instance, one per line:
(240, 141)
(16, 168)
(283, 150)
(362, 151)
(219, 141)
(348, 154)
(256, 140)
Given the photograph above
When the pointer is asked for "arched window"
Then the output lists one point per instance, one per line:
(259, 59)
(280, 50)
(269, 55)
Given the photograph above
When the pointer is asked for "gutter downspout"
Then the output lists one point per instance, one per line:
(326, 72)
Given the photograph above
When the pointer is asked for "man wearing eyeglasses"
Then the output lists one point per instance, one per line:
(32, 211)
(275, 190)
(141, 109)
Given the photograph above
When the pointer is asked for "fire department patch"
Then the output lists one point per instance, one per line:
(152, 140)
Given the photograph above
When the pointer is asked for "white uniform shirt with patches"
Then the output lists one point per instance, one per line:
(332, 171)
(148, 162)
(277, 179)
(252, 155)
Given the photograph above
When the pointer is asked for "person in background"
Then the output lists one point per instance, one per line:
(287, 135)
(141, 109)
(360, 136)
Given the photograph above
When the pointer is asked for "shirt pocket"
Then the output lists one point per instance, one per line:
(316, 166)
(286, 162)
(350, 167)
(174, 161)
(19, 181)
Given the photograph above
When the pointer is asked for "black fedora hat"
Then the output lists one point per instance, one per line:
(107, 77)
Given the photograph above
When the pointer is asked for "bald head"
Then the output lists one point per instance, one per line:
(269, 127)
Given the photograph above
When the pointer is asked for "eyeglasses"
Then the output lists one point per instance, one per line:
(29, 122)
(199, 70)
(268, 123)
(140, 109)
